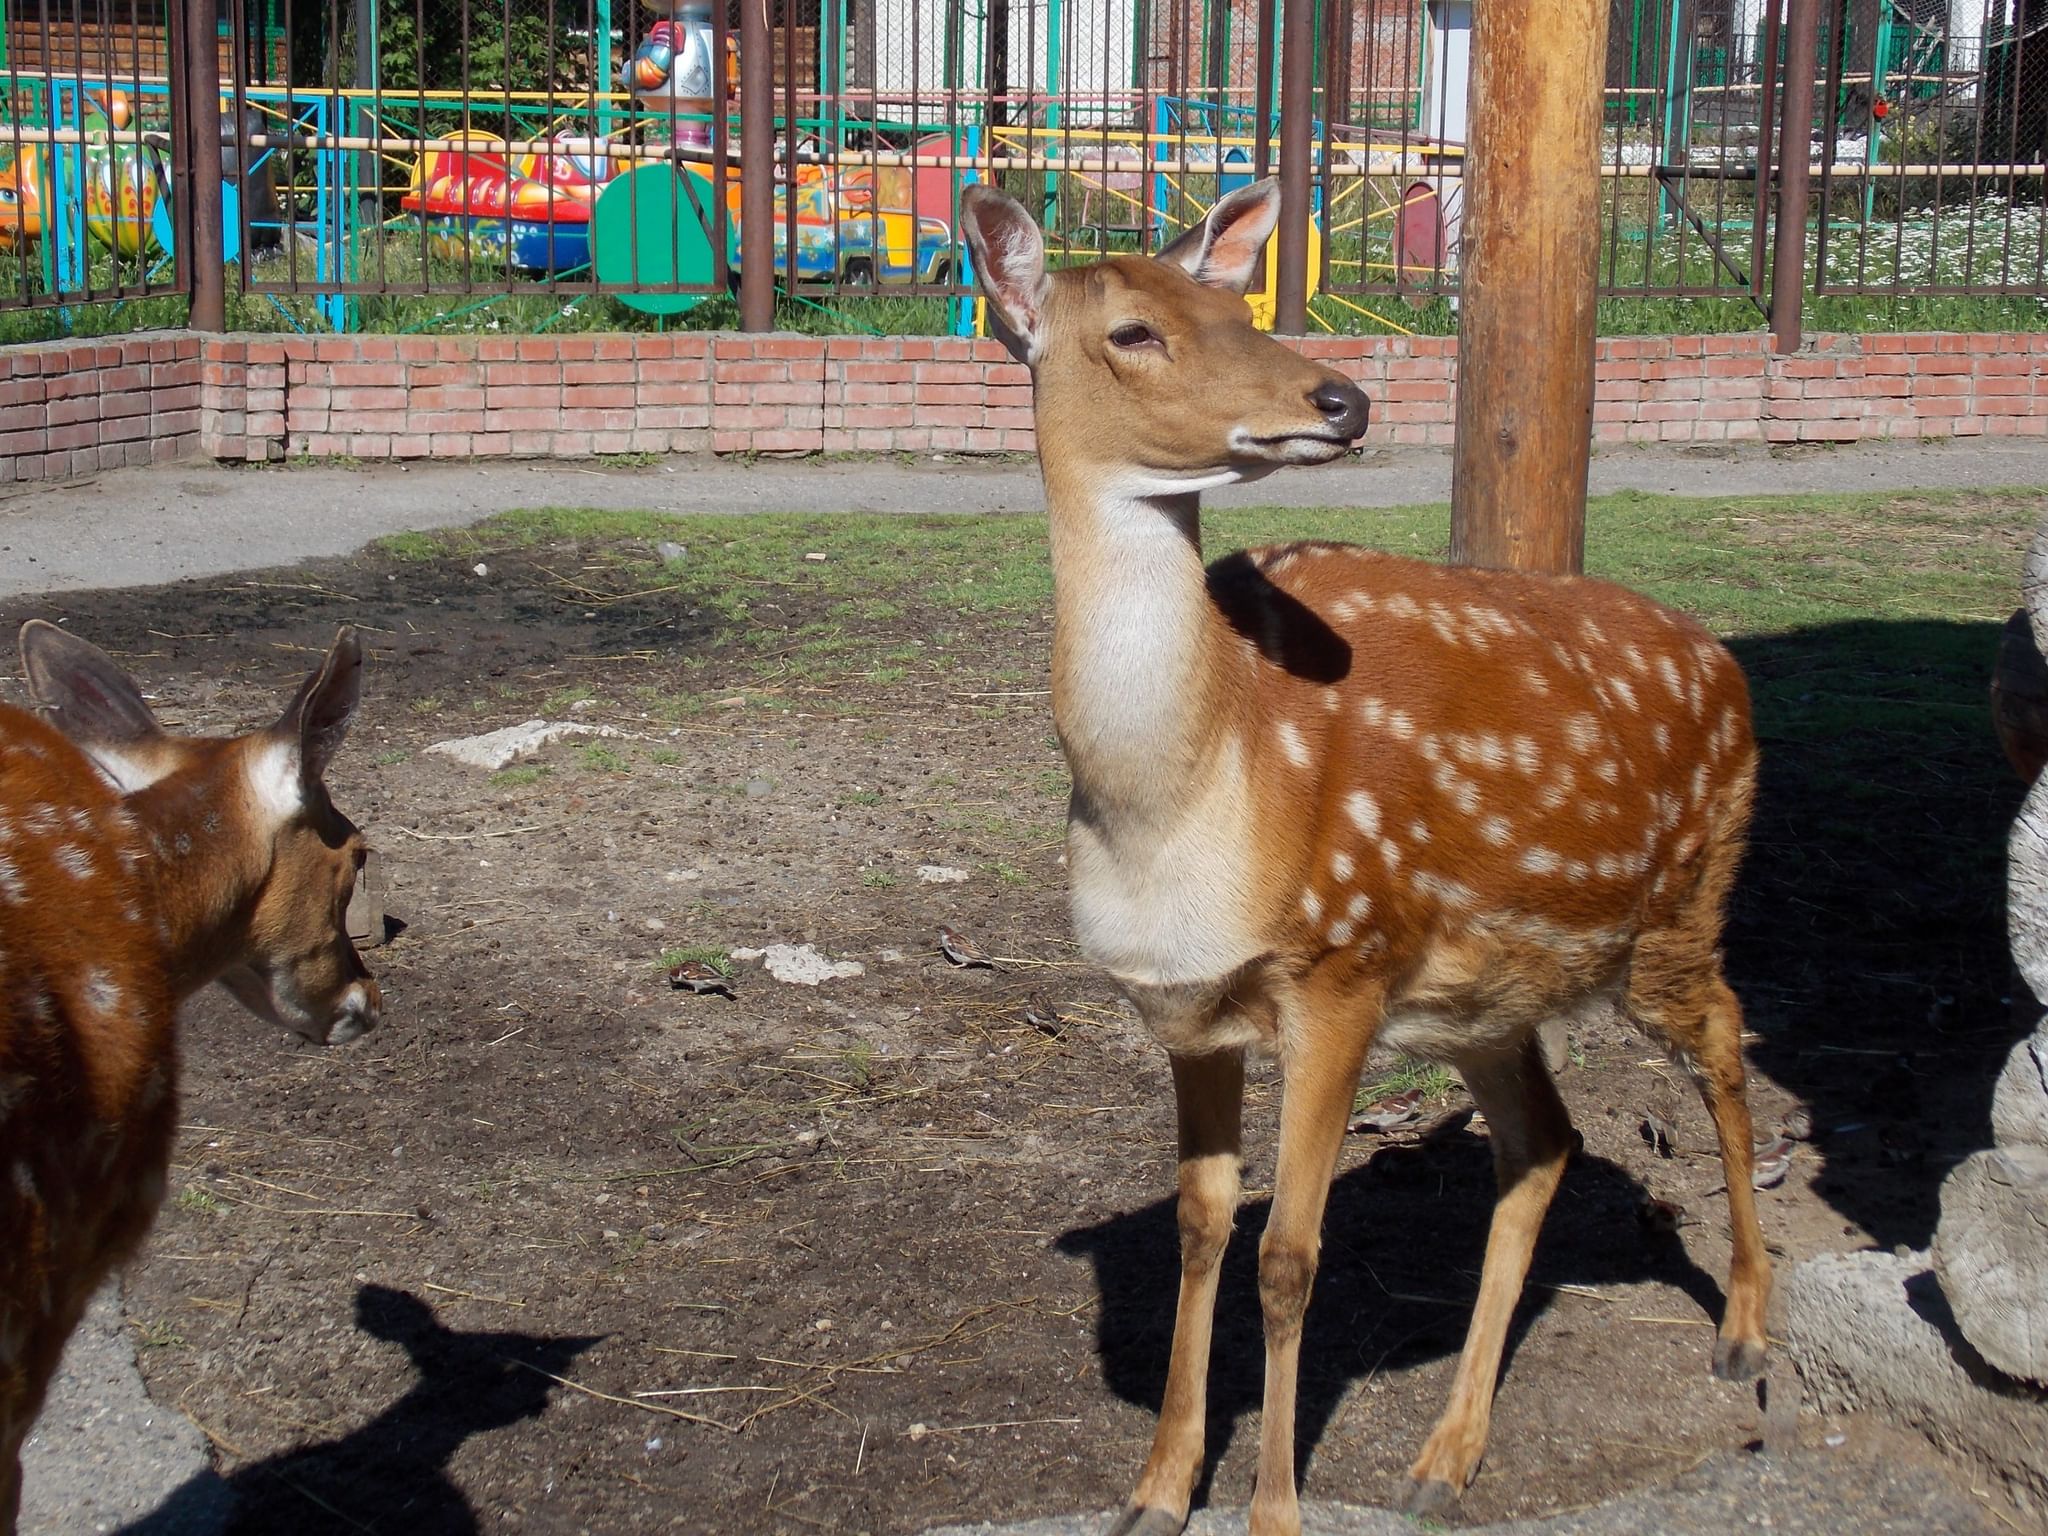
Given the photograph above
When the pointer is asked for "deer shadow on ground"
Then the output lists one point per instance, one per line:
(1377, 1306)
(1867, 933)
(392, 1473)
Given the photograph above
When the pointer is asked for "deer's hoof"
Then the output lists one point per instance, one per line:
(1426, 1498)
(1739, 1359)
(1146, 1520)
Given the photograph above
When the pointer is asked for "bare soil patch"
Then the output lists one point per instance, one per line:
(560, 1249)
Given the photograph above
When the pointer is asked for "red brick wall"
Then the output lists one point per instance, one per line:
(66, 408)
(74, 407)
(574, 396)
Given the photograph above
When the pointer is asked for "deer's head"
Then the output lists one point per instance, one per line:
(253, 866)
(1148, 372)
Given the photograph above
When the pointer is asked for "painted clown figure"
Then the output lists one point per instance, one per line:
(674, 69)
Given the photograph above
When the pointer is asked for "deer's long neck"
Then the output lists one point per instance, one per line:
(201, 868)
(1135, 645)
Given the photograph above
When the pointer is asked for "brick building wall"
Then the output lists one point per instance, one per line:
(72, 408)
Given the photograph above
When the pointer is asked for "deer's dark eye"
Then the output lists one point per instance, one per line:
(1133, 335)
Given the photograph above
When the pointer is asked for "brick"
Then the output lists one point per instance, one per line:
(751, 371)
(587, 421)
(527, 419)
(522, 375)
(61, 413)
(674, 370)
(598, 373)
(351, 399)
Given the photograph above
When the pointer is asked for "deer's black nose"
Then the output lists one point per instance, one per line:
(1342, 404)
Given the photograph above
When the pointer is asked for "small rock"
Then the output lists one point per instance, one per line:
(678, 876)
(802, 966)
(940, 874)
(759, 788)
(2019, 1104)
(481, 569)
(1991, 1252)
(654, 925)
(671, 552)
(496, 749)
(815, 556)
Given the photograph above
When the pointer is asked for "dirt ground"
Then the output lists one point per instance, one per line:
(559, 1249)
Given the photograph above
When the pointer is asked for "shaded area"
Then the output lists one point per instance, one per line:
(1378, 1305)
(391, 1474)
(1867, 938)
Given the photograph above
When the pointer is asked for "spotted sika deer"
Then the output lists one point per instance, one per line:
(1325, 798)
(136, 867)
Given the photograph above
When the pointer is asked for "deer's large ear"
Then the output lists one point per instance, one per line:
(317, 719)
(1009, 263)
(1223, 250)
(90, 698)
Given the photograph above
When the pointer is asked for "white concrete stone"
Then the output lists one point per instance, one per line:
(495, 749)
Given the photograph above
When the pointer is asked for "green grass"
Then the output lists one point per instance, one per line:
(912, 599)
(519, 775)
(599, 758)
(703, 954)
(195, 1198)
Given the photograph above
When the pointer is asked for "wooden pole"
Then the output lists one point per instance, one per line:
(757, 173)
(1297, 80)
(202, 109)
(1795, 139)
(1528, 280)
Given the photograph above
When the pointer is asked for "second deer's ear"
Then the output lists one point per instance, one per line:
(92, 700)
(317, 719)
(1223, 250)
(1009, 263)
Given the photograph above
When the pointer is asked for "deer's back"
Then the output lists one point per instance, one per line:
(1475, 779)
(87, 1066)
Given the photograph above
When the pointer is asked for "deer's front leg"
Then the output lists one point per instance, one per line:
(1322, 1053)
(1208, 1096)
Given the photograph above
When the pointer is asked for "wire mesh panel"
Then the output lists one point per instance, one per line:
(1932, 136)
(87, 161)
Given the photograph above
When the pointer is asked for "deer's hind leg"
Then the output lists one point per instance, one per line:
(1678, 995)
(1698, 1019)
(1531, 1133)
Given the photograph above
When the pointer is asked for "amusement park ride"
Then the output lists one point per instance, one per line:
(643, 214)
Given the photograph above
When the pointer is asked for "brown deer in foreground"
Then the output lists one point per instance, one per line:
(1325, 798)
(136, 867)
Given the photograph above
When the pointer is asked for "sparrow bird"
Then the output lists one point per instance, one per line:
(962, 950)
(696, 976)
(1390, 1113)
(1042, 1015)
(1770, 1163)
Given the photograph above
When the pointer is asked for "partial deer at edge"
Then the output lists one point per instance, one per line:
(1326, 798)
(136, 867)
